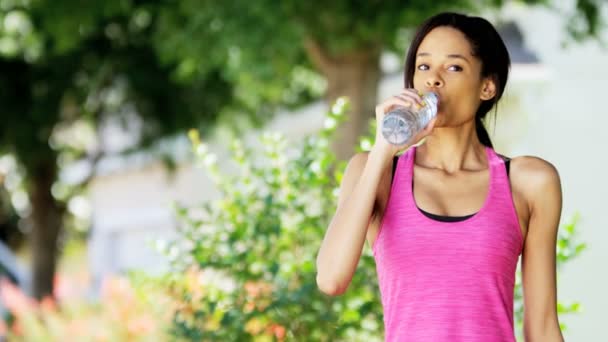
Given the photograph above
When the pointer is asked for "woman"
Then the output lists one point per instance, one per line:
(448, 219)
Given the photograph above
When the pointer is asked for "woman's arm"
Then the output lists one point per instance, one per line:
(343, 242)
(544, 198)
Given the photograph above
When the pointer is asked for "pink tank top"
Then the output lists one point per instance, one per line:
(448, 281)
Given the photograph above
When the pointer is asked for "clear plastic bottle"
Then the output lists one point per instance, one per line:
(402, 123)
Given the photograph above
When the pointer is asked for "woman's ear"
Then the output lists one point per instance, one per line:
(488, 89)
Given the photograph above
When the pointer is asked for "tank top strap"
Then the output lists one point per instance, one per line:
(402, 176)
(501, 201)
(500, 187)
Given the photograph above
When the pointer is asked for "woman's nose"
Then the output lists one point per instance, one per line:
(434, 82)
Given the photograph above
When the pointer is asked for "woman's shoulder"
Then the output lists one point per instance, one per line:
(360, 156)
(534, 166)
(533, 174)
(357, 162)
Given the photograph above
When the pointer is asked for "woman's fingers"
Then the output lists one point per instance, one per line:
(406, 98)
(428, 129)
(412, 93)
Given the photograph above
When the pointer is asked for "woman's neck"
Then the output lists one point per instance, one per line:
(452, 149)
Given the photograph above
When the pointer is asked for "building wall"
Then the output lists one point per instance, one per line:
(563, 119)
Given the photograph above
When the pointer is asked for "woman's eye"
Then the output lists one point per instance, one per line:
(423, 67)
(455, 68)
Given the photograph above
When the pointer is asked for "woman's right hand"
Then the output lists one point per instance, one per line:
(406, 98)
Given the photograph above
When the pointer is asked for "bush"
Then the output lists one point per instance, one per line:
(258, 244)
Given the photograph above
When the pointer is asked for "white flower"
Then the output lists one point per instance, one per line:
(330, 123)
(210, 160)
(366, 144)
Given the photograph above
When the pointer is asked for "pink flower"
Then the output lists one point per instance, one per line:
(141, 326)
(70, 285)
(116, 288)
(77, 327)
(14, 299)
(48, 305)
(256, 289)
(278, 331)
(3, 329)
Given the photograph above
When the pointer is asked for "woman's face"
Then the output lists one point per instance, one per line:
(445, 64)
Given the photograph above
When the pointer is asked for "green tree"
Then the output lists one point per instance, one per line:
(9, 232)
(64, 63)
(261, 44)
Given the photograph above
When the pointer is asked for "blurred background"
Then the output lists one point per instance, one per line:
(168, 169)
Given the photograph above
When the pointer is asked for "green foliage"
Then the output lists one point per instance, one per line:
(9, 215)
(254, 46)
(261, 238)
(589, 22)
(71, 62)
(260, 47)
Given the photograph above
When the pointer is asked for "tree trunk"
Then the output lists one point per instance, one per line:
(355, 75)
(46, 226)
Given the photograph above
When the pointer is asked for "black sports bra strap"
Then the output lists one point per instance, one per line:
(394, 167)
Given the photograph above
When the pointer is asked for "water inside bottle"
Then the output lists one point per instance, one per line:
(400, 124)
(396, 129)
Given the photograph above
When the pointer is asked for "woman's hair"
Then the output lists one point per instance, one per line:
(487, 45)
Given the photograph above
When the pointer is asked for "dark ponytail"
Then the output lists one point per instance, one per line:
(487, 45)
(482, 132)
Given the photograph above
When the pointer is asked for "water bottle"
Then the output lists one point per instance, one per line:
(402, 123)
